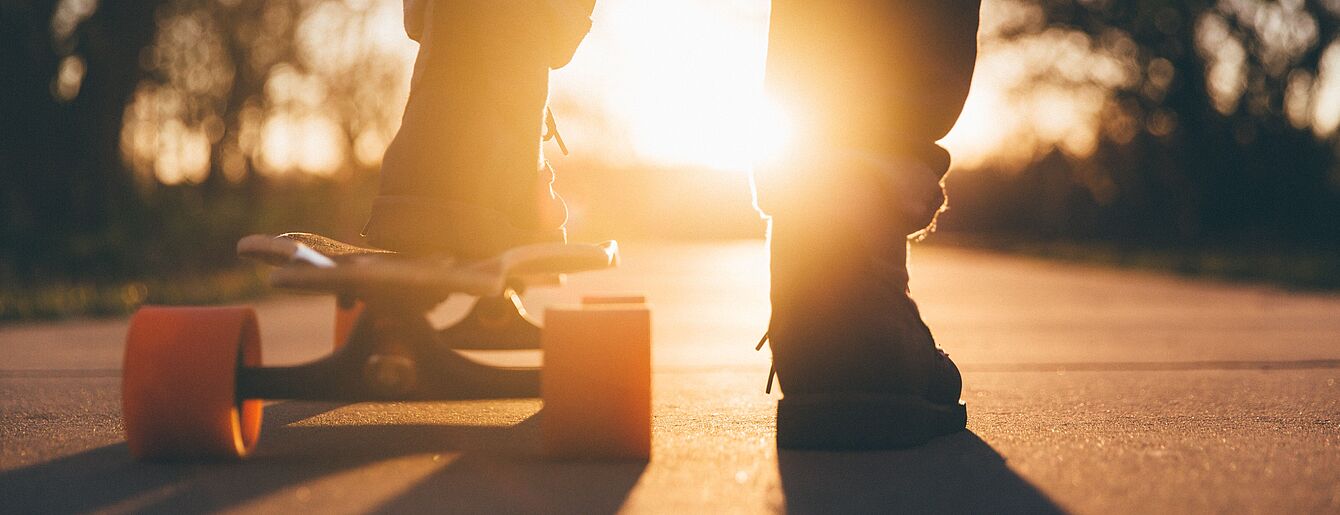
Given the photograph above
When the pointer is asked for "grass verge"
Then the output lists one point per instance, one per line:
(1294, 268)
(68, 300)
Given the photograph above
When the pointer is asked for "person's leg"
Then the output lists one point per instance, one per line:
(465, 174)
(871, 85)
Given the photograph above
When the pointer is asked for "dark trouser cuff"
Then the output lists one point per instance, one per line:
(907, 191)
(572, 21)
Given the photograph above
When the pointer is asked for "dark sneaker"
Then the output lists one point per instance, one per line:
(857, 366)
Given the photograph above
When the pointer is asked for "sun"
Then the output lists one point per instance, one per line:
(681, 80)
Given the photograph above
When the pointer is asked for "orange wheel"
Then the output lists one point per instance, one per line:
(179, 383)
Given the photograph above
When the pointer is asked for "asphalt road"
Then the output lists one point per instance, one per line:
(1089, 390)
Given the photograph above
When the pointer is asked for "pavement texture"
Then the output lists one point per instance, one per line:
(1089, 390)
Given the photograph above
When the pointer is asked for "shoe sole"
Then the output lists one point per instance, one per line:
(848, 421)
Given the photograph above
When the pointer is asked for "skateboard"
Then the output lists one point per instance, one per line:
(193, 382)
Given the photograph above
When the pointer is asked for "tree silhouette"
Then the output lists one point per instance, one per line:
(1215, 136)
(66, 196)
(131, 132)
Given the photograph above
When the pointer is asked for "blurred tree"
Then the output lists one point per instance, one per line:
(140, 137)
(1215, 124)
(247, 99)
(68, 74)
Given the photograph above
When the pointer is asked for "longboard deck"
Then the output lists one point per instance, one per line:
(331, 247)
(301, 247)
(317, 263)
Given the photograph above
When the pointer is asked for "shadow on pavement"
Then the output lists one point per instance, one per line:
(484, 484)
(495, 469)
(954, 474)
(106, 478)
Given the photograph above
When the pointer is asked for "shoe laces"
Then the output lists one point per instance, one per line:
(772, 370)
(551, 130)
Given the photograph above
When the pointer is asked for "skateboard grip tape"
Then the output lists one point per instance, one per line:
(596, 381)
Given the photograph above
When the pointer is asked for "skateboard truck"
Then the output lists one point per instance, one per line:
(390, 355)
